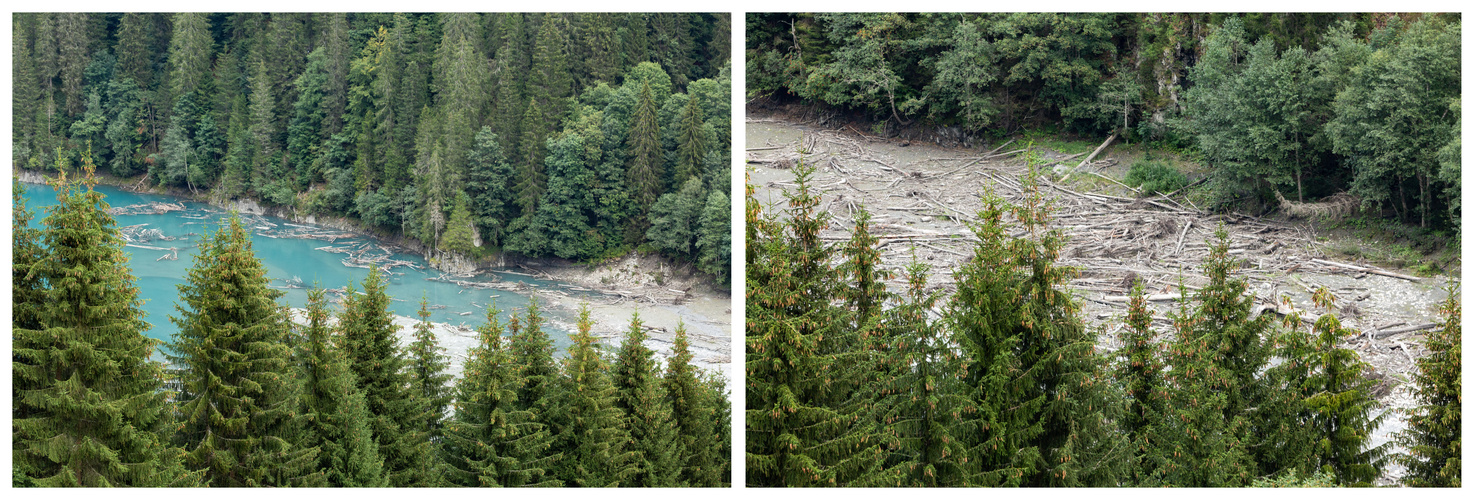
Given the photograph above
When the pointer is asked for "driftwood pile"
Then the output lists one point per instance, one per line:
(150, 208)
(922, 200)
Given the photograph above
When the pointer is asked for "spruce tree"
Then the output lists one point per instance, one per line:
(336, 415)
(428, 381)
(692, 408)
(532, 354)
(1341, 405)
(369, 340)
(1433, 435)
(921, 404)
(596, 447)
(79, 355)
(489, 441)
(795, 437)
(692, 143)
(1139, 370)
(1044, 414)
(643, 144)
(648, 412)
(238, 393)
(1206, 444)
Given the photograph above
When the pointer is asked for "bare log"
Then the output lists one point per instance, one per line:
(1369, 270)
(1089, 158)
(1390, 333)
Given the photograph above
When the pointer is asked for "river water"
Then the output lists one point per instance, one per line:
(289, 261)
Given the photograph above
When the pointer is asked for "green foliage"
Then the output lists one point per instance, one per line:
(1341, 405)
(489, 441)
(597, 447)
(1154, 177)
(696, 409)
(1433, 436)
(1393, 117)
(342, 114)
(648, 411)
(1291, 479)
(336, 416)
(803, 429)
(79, 353)
(675, 220)
(238, 391)
(428, 381)
(368, 337)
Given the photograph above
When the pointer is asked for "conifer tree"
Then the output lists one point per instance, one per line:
(921, 404)
(596, 447)
(1043, 411)
(532, 353)
(1433, 436)
(428, 380)
(648, 412)
(369, 340)
(238, 393)
(489, 442)
(692, 142)
(1341, 405)
(694, 415)
(79, 354)
(643, 144)
(189, 52)
(1206, 444)
(26, 288)
(794, 436)
(1139, 370)
(337, 417)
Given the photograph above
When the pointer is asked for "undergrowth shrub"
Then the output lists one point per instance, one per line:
(1154, 176)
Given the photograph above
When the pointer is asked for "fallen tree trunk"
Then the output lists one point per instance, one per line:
(1369, 270)
(1089, 158)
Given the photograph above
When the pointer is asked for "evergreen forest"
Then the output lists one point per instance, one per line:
(581, 136)
(1301, 106)
(251, 397)
(1002, 383)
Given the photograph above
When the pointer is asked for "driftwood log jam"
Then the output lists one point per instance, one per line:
(1089, 158)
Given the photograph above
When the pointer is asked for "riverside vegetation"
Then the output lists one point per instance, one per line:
(1309, 105)
(582, 136)
(249, 399)
(1001, 384)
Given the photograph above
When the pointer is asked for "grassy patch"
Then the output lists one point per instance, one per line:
(1387, 243)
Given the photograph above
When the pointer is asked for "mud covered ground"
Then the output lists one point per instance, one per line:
(922, 196)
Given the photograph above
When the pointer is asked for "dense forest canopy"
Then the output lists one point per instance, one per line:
(1307, 105)
(578, 135)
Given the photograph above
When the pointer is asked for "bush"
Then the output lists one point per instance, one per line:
(1153, 176)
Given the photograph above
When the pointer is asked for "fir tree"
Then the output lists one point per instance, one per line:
(596, 447)
(1433, 435)
(1206, 444)
(648, 413)
(921, 405)
(369, 340)
(427, 377)
(692, 409)
(1043, 413)
(794, 436)
(238, 393)
(692, 143)
(337, 417)
(79, 354)
(189, 52)
(1341, 405)
(532, 354)
(489, 442)
(1140, 372)
(644, 147)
